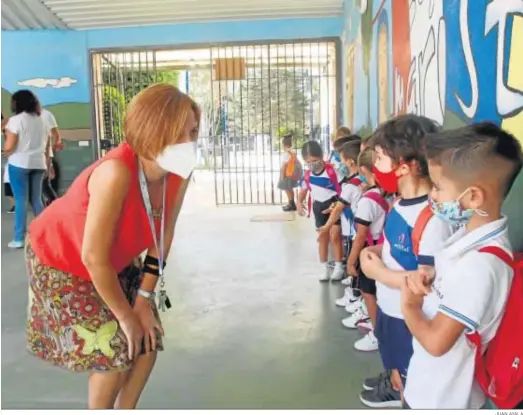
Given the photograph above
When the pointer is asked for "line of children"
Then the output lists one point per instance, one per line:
(430, 293)
(472, 169)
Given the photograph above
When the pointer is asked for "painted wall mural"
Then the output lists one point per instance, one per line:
(454, 61)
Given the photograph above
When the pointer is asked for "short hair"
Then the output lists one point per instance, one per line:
(347, 139)
(25, 101)
(476, 150)
(351, 150)
(311, 148)
(366, 159)
(342, 132)
(156, 117)
(402, 139)
(287, 140)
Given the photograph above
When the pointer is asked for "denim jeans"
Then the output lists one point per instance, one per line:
(22, 181)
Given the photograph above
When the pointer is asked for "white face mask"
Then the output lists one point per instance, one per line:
(179, 159)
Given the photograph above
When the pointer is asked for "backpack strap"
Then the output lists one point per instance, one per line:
(474, 337)
(329, 169)
(419, 227)
(379, 199)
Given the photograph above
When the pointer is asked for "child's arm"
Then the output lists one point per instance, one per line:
(437, 336)
(375, 269)
(334, 216)
(301, 198)
(357, 246)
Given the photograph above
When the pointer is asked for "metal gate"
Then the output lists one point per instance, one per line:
(250, 95)
(261, 93)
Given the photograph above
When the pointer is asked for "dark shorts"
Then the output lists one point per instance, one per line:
(8, 192)
(321, 218)
(395, 343)
(366, 285)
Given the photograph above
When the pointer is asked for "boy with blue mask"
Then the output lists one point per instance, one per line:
(472, 169)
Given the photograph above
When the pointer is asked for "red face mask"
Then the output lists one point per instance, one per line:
(387, 181)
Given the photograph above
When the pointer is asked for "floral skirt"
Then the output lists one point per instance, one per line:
(69, 324)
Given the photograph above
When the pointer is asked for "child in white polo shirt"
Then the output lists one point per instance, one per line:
(472, 169)
(400, 167)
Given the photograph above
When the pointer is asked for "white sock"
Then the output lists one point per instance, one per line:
(338, 265)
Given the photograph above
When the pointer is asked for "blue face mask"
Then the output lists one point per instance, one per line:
(362, 178)
(452, 212)
(343, 170)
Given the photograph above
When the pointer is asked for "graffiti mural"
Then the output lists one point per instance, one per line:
(454, 61)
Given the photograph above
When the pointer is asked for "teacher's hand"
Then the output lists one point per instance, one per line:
(150, 325)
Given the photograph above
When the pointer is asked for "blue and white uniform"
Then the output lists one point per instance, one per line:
(393, 335)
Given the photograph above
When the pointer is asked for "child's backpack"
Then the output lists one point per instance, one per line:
(499, 370)
(419, 226)
(382, 202)
(333, 177)
(295, 170)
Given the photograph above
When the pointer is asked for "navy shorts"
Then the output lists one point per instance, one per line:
(395, 343)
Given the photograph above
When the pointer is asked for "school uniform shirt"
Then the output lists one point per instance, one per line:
(398, 254)
(371, 214)
(33, 132)
(322, 187)
(350, 197)
(471, 288)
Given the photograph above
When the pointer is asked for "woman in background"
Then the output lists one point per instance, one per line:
(27, 148)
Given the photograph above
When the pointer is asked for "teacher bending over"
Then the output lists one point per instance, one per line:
(91, 302)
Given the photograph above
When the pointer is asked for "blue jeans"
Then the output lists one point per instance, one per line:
(22, 181)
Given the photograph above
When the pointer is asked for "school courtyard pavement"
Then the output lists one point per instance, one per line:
(250, 327)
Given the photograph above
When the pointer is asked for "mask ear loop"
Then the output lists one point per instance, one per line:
(480, 212)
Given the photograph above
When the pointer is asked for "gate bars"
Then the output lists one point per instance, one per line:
(250, 95)
(261, 93)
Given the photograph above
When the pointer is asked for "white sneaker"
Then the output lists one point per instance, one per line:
(337, 274)
(326, 275)
(352, 321)
(347, 299)
(347, 281)
(15, 245)
(352, 307)
(369, 343)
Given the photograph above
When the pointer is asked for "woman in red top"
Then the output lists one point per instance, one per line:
(92, 304)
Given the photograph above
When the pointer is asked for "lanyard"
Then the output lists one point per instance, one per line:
(149, 210)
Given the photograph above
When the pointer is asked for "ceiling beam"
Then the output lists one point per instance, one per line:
(189, 12)
(192, 19)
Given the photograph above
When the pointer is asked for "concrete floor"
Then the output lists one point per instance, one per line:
(251, 326)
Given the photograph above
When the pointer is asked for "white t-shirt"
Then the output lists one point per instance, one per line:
(398, 254)
(370, 213)
(472, 288)
(350, 196)
(322, 187)
(50, 120)
(285, 158)
(33, 133)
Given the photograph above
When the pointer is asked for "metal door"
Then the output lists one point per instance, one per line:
(260, 93)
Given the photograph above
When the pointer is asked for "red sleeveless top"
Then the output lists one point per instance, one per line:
(57, 233)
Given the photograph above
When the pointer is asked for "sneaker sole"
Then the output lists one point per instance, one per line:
(387, 404)
(367, 388)
(366, 351)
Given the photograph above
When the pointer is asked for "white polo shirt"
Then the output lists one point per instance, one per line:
(322, 187)
(370, 213)
(472, 288)
(350, 197)
(397, 253)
